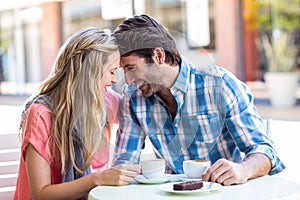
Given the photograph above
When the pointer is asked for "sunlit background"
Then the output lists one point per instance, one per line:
(228, 33)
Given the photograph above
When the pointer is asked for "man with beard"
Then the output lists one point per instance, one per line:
(188, 112)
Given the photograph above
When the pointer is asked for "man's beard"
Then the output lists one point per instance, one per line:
(146, 90)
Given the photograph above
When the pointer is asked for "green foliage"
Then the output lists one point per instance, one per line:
(287, 14)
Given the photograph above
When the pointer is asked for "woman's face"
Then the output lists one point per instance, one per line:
(109, 74)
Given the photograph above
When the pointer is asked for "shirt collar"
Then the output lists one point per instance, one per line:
(182, 81)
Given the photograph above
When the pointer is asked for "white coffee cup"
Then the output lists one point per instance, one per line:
(195, 168)
(152, 169)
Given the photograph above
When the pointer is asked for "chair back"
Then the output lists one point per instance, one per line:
(9, 164)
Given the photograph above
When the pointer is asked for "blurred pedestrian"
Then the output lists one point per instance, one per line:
(1, 69)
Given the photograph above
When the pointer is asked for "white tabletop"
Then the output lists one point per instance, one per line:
(263, 188)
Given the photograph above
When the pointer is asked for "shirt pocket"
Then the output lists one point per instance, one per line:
(208, 127)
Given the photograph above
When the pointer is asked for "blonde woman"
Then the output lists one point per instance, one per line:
(63, 125)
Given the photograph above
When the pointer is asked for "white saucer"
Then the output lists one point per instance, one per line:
(185, 178)
(142, 179)
(207, 187)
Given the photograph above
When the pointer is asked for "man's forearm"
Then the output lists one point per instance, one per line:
(257, 165)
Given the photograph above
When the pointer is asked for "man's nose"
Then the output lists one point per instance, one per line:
(129, 77)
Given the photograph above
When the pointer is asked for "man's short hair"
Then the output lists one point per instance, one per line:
(141, 34)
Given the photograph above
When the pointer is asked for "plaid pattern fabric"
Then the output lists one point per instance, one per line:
(216, 118)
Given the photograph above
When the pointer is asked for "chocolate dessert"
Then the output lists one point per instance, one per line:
(190, 185)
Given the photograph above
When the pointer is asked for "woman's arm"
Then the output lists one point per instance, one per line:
(39, 178)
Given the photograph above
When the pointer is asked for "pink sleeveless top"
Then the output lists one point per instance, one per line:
(37, 132)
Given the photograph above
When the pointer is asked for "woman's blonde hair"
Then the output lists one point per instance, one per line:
(74, 88)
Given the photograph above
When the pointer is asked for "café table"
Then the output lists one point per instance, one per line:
(263, 188)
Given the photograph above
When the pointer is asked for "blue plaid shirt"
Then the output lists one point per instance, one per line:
(216, 118)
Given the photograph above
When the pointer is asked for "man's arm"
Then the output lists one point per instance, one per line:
(130, 136)
(246, 128)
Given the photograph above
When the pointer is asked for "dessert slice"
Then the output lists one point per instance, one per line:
(190, 185)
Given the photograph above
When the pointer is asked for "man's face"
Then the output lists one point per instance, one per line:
(145, 76)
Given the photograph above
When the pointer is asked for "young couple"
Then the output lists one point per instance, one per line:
(187, 112)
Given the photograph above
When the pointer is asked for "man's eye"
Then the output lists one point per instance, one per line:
(129, 68)
(113, 73)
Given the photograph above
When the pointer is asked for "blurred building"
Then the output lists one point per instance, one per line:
(220, 32)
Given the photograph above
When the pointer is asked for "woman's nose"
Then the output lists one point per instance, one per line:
(114, 79)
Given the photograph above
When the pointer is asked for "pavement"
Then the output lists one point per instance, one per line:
(13, 100)
(10, 113)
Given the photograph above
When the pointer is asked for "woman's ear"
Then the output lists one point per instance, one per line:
(159, 55)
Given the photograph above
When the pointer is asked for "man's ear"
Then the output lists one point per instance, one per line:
(159, 55)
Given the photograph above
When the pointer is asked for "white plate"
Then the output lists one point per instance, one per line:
(207, 187)
(142, 179)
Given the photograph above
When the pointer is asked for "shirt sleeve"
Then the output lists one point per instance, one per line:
(130, 136)
(36, 130)
(244, 123)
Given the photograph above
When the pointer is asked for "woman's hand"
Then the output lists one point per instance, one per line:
(119, 175)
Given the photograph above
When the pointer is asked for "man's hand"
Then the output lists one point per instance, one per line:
(227, 172)
(119, 175)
